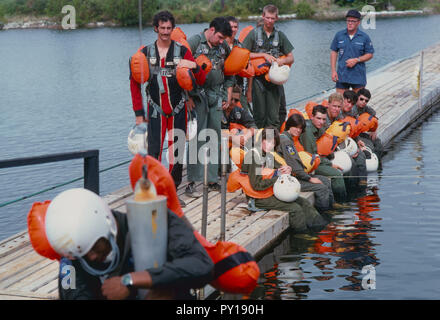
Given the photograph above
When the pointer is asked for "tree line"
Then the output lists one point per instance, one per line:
(125, 12)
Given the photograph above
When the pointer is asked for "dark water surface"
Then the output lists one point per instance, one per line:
(391, 228)
(63, 91)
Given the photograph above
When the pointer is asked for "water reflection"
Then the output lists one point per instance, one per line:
(329, 260)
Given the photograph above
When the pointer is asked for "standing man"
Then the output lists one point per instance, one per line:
(354, 48)
(210, 99)
(242, 82)
(269, 43)
(166, 101)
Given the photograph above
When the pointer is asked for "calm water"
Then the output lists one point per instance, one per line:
(63, 91)
(393, 226)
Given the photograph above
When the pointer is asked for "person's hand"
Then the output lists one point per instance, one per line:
(373, 135)
(335, 77)
(285, 170)
(315, 180)
(190, 104)
(225, 105)
(337, 167)
(187, 64)
(269, 58)
(113, 289)
(350, 63)
(280, 62)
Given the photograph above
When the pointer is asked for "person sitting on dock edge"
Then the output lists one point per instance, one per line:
(370, 139)
(319, 185)
(257, 179)
(315, 128)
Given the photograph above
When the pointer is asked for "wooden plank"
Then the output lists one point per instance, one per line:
(261, 234)
(17, 295)
(37, 279)
(18, 273)
(14, 268)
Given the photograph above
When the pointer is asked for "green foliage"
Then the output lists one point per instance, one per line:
(304, 10)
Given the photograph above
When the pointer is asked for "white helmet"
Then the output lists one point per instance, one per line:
(279, 75)
(137, 138)
(287, 188)
(75, 220)
(349, 146)
(371, 161)
(191, 132)
(343, 160)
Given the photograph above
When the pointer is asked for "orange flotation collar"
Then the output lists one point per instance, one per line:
(369, 123)
(236, 61)
(139, 67)
(204, 63)
(355, 125)
(243, 33)
(185, 78)
(238, 180)
(178, 35)
(261, 66)
(37, 230)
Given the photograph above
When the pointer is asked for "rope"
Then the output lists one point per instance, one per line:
(58, 186)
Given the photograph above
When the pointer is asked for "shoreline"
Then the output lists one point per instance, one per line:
(32, 22)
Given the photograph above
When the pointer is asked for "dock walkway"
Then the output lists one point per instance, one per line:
(26, 275)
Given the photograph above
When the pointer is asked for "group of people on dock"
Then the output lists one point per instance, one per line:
(260, 136)
(274, 156)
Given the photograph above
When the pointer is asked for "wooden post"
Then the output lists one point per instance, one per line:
(205, 194)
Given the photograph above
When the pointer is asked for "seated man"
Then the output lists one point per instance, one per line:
(100, 255)
(237, 119)
(358, 170)
(370, 139)
(257, 180)
(314, 129)
(319, 185)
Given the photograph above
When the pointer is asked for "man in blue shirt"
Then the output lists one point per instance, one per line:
(354, 48)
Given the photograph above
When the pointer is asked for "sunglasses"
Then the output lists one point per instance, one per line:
(352, 21)
(363, 99)
(235, 100)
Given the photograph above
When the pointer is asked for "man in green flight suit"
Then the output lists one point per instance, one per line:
(269, 43)
(314, 129)
(210, 101)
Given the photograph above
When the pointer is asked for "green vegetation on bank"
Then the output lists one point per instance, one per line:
(125, 12)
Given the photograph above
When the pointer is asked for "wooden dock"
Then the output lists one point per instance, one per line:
(26, 275)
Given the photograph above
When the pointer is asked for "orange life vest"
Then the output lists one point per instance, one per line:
(238, 180)
(368, 122)
(139, 67)
(37, 230)
(236, 61)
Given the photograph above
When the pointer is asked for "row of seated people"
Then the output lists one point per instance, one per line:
(307, 150)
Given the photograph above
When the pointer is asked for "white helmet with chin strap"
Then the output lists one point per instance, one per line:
(75, 220)
(286, 188)
(371, 160)
(349, 146)
(137, 138)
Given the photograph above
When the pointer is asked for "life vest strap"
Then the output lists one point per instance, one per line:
(230, 262)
